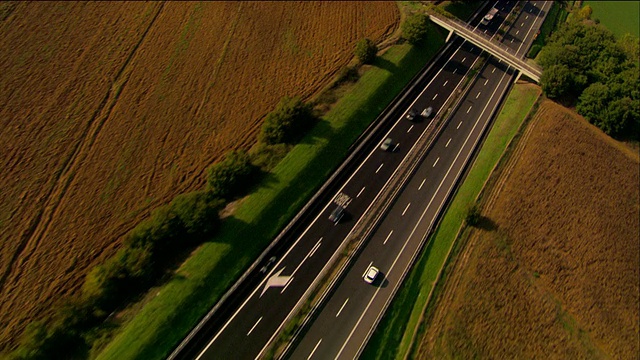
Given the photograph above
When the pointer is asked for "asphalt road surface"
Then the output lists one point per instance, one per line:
(349, 316)
(248, 322)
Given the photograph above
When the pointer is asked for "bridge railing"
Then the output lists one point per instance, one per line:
(487, 43)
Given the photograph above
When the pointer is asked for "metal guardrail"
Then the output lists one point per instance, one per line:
(496, 49)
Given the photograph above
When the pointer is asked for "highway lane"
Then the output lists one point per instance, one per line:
(209, 329)
(357, 306)
(263, 312)
(399, 235)
(261, 315)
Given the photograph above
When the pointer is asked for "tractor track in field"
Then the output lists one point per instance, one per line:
(31, 238)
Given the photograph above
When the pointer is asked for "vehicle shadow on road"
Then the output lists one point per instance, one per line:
(383, 282)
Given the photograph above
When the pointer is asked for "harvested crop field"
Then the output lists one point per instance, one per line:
(553, 271)
(111, 109)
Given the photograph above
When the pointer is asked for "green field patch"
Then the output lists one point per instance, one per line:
(392, 339)
(621, 17)
(205, 276)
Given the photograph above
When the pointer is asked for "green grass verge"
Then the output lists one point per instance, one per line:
(203, 278)
(620, 17)
(463, 9)
(556, 16)
(392, 338)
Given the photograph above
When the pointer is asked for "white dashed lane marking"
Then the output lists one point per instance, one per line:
(388, 236)
(405, 209)
(254, 326)
(342, 307)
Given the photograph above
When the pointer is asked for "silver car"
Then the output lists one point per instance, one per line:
(386, 145)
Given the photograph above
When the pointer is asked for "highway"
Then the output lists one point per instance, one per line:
(348, 317)
(247, 323)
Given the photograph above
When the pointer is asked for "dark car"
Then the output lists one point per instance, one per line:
(268, 264)
(411, 115)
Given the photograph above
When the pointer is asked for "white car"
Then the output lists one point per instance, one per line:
(386, 145)
(371, 274)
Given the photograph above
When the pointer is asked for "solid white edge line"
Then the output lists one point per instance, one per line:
(315, 247)
(339, 190)
(419, 221)
(329, 203)
(287, 284)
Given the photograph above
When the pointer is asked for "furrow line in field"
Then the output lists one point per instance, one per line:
(220, 59)
(31, 237)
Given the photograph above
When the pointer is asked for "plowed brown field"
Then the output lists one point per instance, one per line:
(554, 273)
(110, 109)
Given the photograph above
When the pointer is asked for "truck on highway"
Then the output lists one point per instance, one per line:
(487, 18)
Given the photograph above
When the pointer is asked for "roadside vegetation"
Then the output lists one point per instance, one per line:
(394, 335)
(116, 109)
(557, 15)
(463, 9)
(586, 66)
(258, 217)
(552, 269)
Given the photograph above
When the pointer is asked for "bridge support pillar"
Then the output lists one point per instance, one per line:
(449, 36)
(517, 77)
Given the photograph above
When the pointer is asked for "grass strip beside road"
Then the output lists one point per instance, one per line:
(392, 338)
(178, 305)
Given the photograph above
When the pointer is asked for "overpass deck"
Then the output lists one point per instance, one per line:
(493, 47)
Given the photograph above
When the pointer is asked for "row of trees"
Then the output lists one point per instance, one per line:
(147, 250)
(585, 65)
(156, 243)
(177, 227)
(414, 31)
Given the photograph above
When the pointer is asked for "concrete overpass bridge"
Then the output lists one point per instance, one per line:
(494, 48)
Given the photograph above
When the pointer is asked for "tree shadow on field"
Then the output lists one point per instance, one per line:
(486, 224)
(385, 64)
(320, 130)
